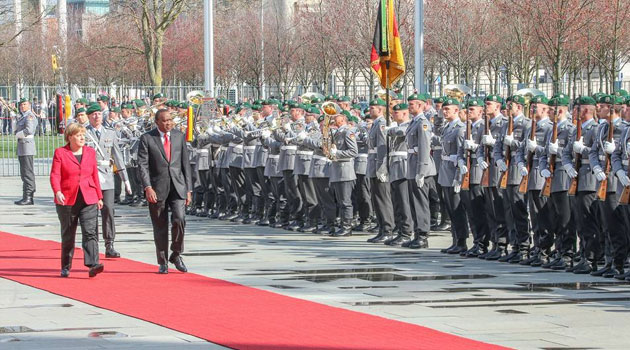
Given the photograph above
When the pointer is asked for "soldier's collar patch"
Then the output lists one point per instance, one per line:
(425, 127)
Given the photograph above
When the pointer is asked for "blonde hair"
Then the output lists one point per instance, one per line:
(73, 129)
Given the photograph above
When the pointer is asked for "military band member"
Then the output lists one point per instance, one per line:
(302, 169)
(342, 175)
(362, 185)
(451, 173)
(103, 102)
(277, 213)
(105, 141)
(621, 241)
(474, 199)
(25, 128)
(377, 172)
(613, 224)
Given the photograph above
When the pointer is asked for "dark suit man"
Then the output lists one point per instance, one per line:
(166, 176)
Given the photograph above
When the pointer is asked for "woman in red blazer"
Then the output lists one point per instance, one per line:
(74, 180)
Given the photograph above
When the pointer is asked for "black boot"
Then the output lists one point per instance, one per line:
(497, 253)
(385, 237)
(615, 271)
(376, 238)
(565, 262)
(420, 242)
(557, 257)
(584, 267)
(110, 252)
(400, 240)
(598, 273)
(344, 231)
(27, 199)
(510, 255)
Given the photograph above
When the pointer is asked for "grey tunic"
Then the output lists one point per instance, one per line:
(521, 129)
(597, 156)
(535, 180)
(561, 180)
(452, 139)
(474, 171)
(27, 124)
(342, 167)
(106, 150)
(377, 143)
(586, 179)
(320, 165)
(398, 152)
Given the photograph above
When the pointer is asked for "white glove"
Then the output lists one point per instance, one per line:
(488, 140)
(265, 133)
(391, 125)
(419, 180)
(382, 175)
(572, 173)
(508, 139)
(623, 178)
(483, 165)
(501, 165)
(609, 147)
(553, 147)
(531, 145)
(287, 127)
(333, 151)
(600, 175)
(127, 187)
(545, 173)
(463, 169)
(20, 134)
(522, 169)
(457, 188)
(470, 145)
(301, 136)
(216, 128)
(578, 146)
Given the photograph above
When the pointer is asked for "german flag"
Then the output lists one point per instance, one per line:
(386, 47)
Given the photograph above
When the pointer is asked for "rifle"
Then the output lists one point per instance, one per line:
(485, 177)
(578, 156)
(624, 199)
(508, 156)
(530, 155)
(552, 158)
(603, 186)
(466, 179)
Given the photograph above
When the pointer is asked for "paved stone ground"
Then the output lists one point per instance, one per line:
(515, 306)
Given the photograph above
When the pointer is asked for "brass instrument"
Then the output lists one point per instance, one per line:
(528, 94)
(329, 109)
(310, 96)
(195, 97)
(6, 105)
(457, 91)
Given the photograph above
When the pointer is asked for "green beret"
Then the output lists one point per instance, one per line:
(127, 106)
(356, 106)
(353, 119)
(83, 101)
(313, 110)
(79, 110)
(257, 107)
(93, 107)
(332, 98)
(183, 105)
(517, 99)
(346, 113)
(139, 103)
(103, 98)
(266, 103)
(621, 92)
(450, 102)
(378, 102)
(116, 109)
(439, 99)
(416, 97)
(559, 100)
(158, 95)
(316, 100)
(397, 96)
(494, 98)
(503, 105)
(172, 103)
(539, 99)
(344, 99)
(605, 98)
(401, 107)
(258, 102)
(22, 100)
(475, 102)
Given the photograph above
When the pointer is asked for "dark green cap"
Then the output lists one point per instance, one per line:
(344, 99)
(450, 102)
(127, 106)
(332, 98)
(559, 100)
(621, 92)
(353, 119)
(439, 99)
(474, 102)
(139, 103)
(79, 110)
(116, 109)
(494, 98)
(416, 97)
(540, 99)
(22, 100)
(517, 99)
(158, 95)
(103, 98)
(378, 102)
(346, 113)
(401, 107)
(171, 103)
(183, 105)
(605, 98)
(313, 110)
(316, 100)
(93, 107)
(82, 100)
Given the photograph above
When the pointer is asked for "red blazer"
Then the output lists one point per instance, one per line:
(67, 175)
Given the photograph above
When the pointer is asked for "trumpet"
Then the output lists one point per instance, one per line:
(6, 105)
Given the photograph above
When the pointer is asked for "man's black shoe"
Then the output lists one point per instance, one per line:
(179, 263)
(96, 269)
(387, 236)
(421, 242)
(163, 269)
(399, 241)
(509, 256)
(457, 249)
(65, 273)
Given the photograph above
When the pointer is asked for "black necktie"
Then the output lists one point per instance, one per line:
(98, 134)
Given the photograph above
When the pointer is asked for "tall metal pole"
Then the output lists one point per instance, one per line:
(419, 46)
(262, 49)
(208, 51)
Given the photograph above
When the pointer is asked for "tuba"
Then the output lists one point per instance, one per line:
(457, 91)
(329, 109)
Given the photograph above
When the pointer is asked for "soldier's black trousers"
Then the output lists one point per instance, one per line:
(363, 197)
(419, 205)
(516, 204)
(539, 219)
(381, 197)
(496, 214)
(558, 219)
(343, 194)
(107, 215)
(238, 184)
(312, 210)
(69, 217)
(229, 193)
(266, 196)
(27, 174)
(402, 207)
(455, 208)
(253, 191)
(588, 223)
(294, 200)
(325, 199)
(280, 200)
(434, 198)
(117, 187)
(614, 222)
(475, 204)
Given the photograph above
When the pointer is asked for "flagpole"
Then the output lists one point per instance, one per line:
(387, 116)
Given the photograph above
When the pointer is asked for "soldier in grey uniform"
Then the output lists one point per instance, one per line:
(377, 172)
(277, 213)
(25, 128)
(260, 159)
(587, 205)
(474, 199)
(235, 169)
(559, 206)
(203, 146)
(105, 142)
(343, 151)
(398, 169)
(613, 224)
(515, 202)
(450, 175)
(320, 176)
(621, 240)
(362, 185)
(436, 195)
(420, 170)
(103, 102)
(538, 208)
(253, 187)
(303, 160)
(495, 198)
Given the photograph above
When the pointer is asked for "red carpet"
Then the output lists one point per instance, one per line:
(221, 312)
